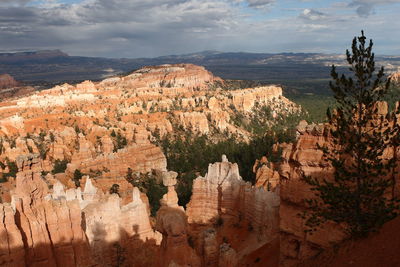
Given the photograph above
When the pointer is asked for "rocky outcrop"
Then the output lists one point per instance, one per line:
(215, 194)
(172, 223)
(139, 158)
(222, 192)
(266, 176)
(71, 227)
(110, 129)
(104, 128)
(170, 78)
(304, 158)
(50, 229)
(12, 89)
(223, 198)
(12, 251)
(395, 77)
(7, 81)
(187, 91)
(110, 225)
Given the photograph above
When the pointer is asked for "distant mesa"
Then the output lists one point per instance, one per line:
(32, 55)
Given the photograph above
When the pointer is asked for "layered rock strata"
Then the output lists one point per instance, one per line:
(222, 196)
(103, 129)
(50, 230)
(222, 192)
(71, 227)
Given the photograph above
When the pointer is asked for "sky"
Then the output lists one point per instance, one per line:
(150, 28)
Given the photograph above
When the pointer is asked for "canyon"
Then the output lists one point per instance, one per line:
(104, 128)
(87, 227)
(62, 150)
(109, 130)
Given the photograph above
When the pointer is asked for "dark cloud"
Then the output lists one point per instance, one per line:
(260, 3)
(105, 25)
(364, 8)
(138, 28)
(256, 4)
(14, 2)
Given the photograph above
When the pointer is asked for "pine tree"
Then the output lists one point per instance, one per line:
(77, 177)
(359, 194)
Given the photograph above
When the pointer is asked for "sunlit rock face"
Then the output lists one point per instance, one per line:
(215, 193)
(71, 227)
(39, 229)
(222, 198)
(56, 225)
(104, 128)
(223, 192)
(395, 77)
(107, 130)
(266, 175)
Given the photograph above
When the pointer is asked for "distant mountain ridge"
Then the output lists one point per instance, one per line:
(31, 55)
(55, 66)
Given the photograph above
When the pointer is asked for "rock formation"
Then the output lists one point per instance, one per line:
(61, 227)
(104, 128)
(172, 223)
(109, 130)
(10, 88)
(7, 81)
(50, 230)
(266, 176)
(302, 158)
(110, 224)
(222, 198)
(12, 251)
(395, 77)
(299, 159)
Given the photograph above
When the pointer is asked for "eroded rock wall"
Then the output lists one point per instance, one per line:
(50, 230)
(71, 227)
(221, 200)
(304, 158)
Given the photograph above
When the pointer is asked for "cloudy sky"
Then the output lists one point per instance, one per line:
(148, 28)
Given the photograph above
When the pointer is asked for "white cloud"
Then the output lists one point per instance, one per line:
(311, 14)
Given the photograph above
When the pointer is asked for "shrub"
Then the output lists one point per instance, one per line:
(114, 189)
(60, 166)
(77, 177)
(13, 170)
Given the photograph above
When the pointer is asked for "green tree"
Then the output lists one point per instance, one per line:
(114, 189)
(358, 195)
(77, 177)
(129, 175)
(60, 166)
